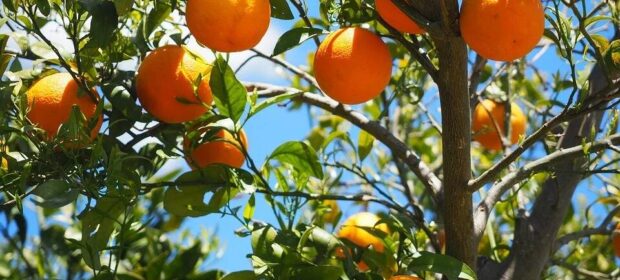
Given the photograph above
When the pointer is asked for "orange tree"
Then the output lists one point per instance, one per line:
(536, 197)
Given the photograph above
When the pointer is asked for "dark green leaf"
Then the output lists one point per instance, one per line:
(240, 275)
(299, 155)
(183, 263)
(187, 199)
(229, 94)
(452, 268)
(97, 226)
(280, 9)
(54, 194)
(271, 101)
(323, 272)
(294, 37)
(123, 6)
(103, 24)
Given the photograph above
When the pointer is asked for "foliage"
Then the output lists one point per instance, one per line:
(111, 211)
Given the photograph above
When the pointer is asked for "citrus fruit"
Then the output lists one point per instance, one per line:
(228, 25)
(484, 124)
(165, 84)
(355, 230)
(51, 100)
(222, 148)
(502, 30)
(396, 18)
(352, 65)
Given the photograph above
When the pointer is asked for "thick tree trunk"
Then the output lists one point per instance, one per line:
(536, 234)
(455, 115)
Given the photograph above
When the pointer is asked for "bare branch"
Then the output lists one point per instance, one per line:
(602, 229)
(544, 163)
(400, 149)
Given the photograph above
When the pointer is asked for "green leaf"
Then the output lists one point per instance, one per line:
(273, 100)
(299, 155)
(248, 211)
(263, 244)
(280, 9)
(365, 143)
(293, 38)
(103, 24)
(240, 275)
(229, 94)
(184, 263)
(54, 194)
(446, 265)
(148, 24)
(97, 226)
(323, 272)
(593, 19)
(123, 6)
(187, 199)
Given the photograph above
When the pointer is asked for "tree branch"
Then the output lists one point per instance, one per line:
(601, 229)
(544, 163)
(400, 149)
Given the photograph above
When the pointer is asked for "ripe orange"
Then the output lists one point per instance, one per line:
(165, 85)
(502, 30)
(615, 236)
(396, 18)
(352, 65)
(484, 127)
(228, 25)
(405, 277)
(223, 149)
(51, 99)
(353, 230)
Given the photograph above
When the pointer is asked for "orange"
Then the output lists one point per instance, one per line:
(484, 124)
(352, 65)
(405, 277)
(353, 230)
(222, 149)
(502, 30)
(615, 236)
(51, 100)
(228, 25)
(165, 85)
(396, 18)
(4, 165)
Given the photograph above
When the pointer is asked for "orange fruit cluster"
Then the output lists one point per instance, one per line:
(490, 115)
(51, 99)
(502, 30)
(228, 25)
